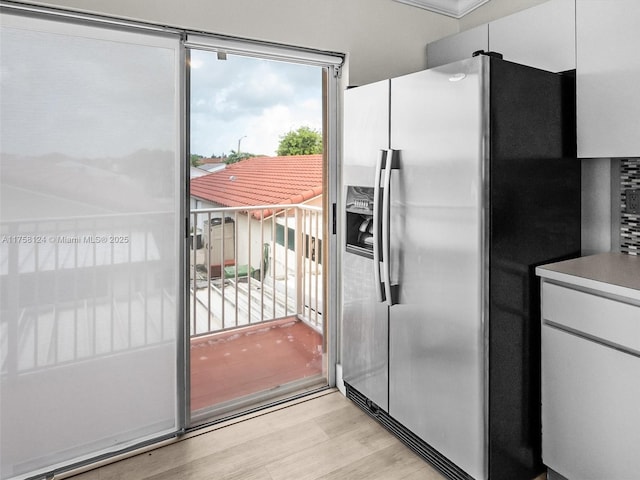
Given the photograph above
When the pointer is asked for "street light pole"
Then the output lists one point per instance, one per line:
(240, 140)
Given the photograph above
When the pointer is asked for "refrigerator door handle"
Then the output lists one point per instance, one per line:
(390, 290)
(377, 226)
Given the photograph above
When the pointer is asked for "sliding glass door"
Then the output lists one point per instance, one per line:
(91, 270)
(97, 339)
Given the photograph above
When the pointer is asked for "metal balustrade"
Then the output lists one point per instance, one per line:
(74, 289)
(81, 288)
(251, 265)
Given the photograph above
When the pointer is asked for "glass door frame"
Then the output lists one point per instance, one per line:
(331, 64)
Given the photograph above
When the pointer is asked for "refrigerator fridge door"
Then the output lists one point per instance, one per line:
(365, 342)
(436, 329)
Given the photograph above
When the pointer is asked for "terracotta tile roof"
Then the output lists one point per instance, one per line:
(211, 160)
(262, 181)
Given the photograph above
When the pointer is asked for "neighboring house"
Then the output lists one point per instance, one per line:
(263, 181)
(212, 164)
(195, 172)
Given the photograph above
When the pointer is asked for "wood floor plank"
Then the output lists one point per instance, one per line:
(365, 438)
(325, 438)
(341, 420)
(426, 472)
(246, 456)
(393, 462)
(204, 444)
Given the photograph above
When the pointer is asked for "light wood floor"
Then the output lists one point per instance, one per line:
(326, 437)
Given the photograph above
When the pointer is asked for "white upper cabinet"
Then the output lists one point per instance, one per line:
(457, 47)
(608, 78)
(542, 36)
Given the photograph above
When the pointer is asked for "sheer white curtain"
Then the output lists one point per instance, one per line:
(90, 264)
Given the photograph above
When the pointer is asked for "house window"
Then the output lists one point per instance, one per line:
(291, 234)
(313, 249)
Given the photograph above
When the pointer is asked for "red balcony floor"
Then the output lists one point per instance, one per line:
(232, 364)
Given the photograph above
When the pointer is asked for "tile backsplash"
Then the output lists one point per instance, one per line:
(629, 223)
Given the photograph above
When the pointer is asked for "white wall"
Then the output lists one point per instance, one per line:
(600, 205)
(382, 38)
(495, 9)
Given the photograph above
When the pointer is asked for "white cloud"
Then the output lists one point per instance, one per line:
(252, 98)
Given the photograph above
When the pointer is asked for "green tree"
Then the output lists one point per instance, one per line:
(303, 141)
(234, 156)
(196, 159)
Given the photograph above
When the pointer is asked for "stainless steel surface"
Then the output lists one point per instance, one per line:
(377, 228)
(436, 336)
(450, 132)
(366, 127)
(365, 330)
(364, 319)
(390, 165)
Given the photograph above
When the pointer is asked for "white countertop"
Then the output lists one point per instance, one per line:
(613, 273)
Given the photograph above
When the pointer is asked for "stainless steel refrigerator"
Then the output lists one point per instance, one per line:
(458, 181)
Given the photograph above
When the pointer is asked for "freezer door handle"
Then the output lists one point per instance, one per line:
(377, 226)
(390, 164)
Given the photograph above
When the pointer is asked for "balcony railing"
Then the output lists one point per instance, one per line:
(75, 289)
(253, 265)
(69, 296)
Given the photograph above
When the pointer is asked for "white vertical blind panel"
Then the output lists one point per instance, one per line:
(89, 241)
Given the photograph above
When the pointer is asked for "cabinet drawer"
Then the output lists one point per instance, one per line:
(609, 320)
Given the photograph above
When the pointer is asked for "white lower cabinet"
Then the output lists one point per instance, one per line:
(590, 384)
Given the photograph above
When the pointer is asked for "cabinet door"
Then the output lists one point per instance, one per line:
(541, 37)
(590, 412)
(608, 72)
(457, 47)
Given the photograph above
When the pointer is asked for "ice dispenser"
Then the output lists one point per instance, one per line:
(359, 210)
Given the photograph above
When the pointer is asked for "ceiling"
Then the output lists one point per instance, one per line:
(452, 8)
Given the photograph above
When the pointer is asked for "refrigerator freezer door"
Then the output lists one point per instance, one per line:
(366, 131)
(365, 363)
(436, 334)
(364, 318)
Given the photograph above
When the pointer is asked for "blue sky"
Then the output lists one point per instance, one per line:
(253, 99)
